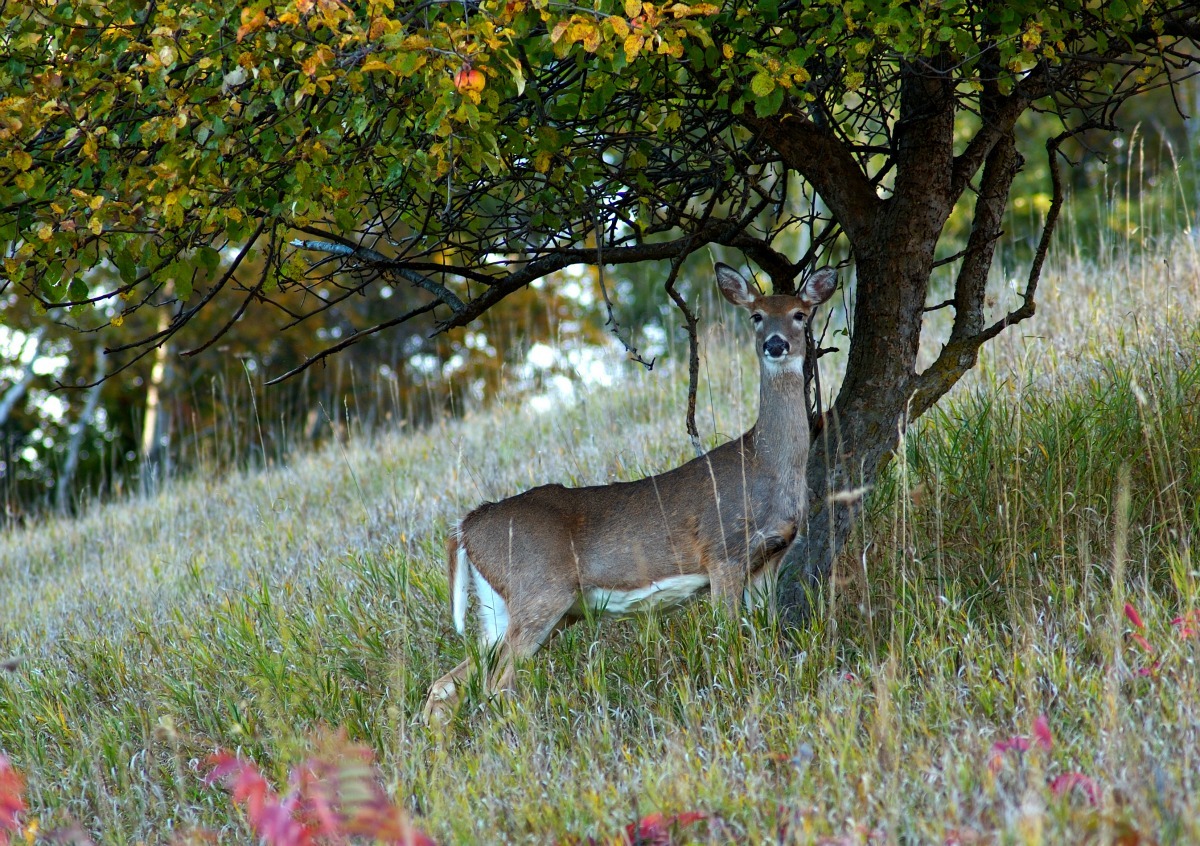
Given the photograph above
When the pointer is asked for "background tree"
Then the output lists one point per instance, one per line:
(289, 158)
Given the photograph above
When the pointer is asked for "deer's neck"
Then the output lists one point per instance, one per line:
(781, 434)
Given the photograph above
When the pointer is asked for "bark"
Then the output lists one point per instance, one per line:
(17, 390)
(894, 257)
(154, 422)
(66, 476)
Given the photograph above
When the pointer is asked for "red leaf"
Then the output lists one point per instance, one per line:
(12, 786)
(1188, 623)
(1134, 616)
(655, 829)
(334, 796)
(1142, 642)
(1067, 782)
(1041, 733)
(1000, 747)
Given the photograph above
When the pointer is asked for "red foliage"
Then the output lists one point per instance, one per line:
(1134, 616)
(1067, 782)
(657, 830)
(1041, 733)
(1188, 624)
(12, 801)
(330, 798)
(1000, 747)
(1142, 642)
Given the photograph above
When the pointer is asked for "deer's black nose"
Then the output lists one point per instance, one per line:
(775, 347)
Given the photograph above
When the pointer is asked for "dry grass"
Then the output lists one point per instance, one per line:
(986, 587)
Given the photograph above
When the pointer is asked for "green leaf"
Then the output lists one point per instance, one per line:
(762, 84)
(126, 265)
(769, 105)
(208, 258)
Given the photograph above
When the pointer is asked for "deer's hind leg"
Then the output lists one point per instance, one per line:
(529, 628)
(446, 692)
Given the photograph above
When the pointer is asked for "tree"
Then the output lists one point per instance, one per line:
(460, 151)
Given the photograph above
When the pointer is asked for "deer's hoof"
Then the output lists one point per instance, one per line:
(441, 704)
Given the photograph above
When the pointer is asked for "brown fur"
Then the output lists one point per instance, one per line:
(724, 516)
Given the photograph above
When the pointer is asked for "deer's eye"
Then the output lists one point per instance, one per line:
(798, 317)
(756, 318)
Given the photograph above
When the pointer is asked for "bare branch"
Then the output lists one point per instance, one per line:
(352, 340)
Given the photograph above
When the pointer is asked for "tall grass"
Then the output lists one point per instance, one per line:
(985, 587)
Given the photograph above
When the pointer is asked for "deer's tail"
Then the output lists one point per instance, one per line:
(458, 567)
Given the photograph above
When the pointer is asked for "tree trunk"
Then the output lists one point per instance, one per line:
(154, 421)
(17, 390)
(894, 257)
(66, 476)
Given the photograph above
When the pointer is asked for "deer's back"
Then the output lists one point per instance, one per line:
(621, 535)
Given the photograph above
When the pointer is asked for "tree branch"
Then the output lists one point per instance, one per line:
(959, 354)
(817, 155)
(352, 340)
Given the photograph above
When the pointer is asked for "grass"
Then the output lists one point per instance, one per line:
(986, 587)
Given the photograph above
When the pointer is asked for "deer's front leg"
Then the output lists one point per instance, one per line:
(727, 584)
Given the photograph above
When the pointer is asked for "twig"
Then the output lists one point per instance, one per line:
(693, 350)
(1028, 304)
(630, 349)
(352, 340)
(374, 257)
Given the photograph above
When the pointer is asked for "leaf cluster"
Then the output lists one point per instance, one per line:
(467, 149)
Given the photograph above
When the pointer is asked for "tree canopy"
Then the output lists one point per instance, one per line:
(290, 156)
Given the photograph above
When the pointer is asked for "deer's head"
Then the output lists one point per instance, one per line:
(779, 320)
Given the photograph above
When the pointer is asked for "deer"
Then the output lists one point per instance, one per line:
(544, 558)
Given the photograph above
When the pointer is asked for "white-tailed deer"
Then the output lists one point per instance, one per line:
(543, 558)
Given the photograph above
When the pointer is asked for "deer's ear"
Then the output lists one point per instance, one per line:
(734, 286)
(819, 287)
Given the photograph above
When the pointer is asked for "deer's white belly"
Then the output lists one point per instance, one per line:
(670, 591)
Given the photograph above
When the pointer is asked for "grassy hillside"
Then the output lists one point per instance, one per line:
(986, 588)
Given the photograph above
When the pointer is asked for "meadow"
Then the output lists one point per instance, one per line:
(1007, 653)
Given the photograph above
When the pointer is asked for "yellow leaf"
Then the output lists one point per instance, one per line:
(234, 214)
(252, 21)
(90, 147)
(633, 8)
(559, 29)
(542, 162)
(21, 159)
(586, 32)
(118, 319)
(578, 30)
(45, 232)
(374, 65)
(633, 46)
(727, 51)
(762, 84)
(620, 27)
(96, 225)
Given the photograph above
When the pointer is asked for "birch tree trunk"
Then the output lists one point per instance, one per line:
(17, 390)
(66, 476)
